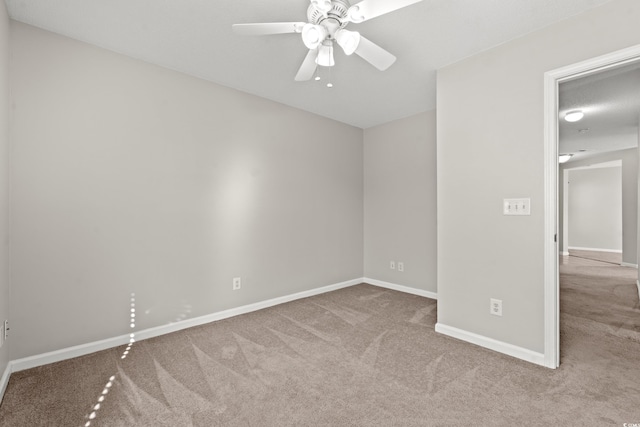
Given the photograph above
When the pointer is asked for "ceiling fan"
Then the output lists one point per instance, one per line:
(326, 24)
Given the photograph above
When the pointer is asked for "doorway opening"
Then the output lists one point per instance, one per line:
(553, 79)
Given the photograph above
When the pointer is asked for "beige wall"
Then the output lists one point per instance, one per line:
(399, 201)
(4, 179)
(595, 208)
(491, 147)
(128, 177)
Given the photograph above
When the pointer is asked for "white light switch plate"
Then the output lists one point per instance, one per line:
(517, 207)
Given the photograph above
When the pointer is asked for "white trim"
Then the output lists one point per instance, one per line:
(551, 282)
(401, 288)
(492, 344)
(83, 349)
(4, 381)
(628, 264)
(564, 253)
(638, 285)
(613, 251)
(551, 303)
(68, 353)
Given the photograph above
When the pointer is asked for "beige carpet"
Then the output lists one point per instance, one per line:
(598, 295)
(361, 356)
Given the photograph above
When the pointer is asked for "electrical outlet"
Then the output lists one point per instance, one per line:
(495, 307)
(400, 266)
(237, 283)
(392, 265)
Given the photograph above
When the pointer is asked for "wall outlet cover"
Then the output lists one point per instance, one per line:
(495, 307)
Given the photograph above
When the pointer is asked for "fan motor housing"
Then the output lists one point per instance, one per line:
(337, 13)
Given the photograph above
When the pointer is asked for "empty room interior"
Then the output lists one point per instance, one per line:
(319, 212)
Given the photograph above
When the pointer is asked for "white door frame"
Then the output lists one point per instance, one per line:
(551, 281)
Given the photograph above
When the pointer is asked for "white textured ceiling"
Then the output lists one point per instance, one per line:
(610, 101)
(195, 37)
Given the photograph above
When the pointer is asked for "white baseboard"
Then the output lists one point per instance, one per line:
(4, 380)
(67, 353)
(490, 343)
(615, 251)
(83, 349)
(92, 347)
(628, 264)
(401, 288)
(564, 253)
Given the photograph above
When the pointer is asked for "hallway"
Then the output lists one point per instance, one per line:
(597, 295)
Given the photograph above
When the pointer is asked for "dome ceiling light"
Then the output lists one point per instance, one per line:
(574, 116)
(563, 158)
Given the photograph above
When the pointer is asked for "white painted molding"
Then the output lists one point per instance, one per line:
(401, 288)
(628, 264)
(552, 79)
(564, 253)
(67, 353)
(613, 251)
(4, 380)
(83, 349)
(638, 285)
(492, 344)
(551, 261)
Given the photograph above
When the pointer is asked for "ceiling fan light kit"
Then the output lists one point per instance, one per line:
(325, 54)
(313, 35)
(348, 40)
(326, 24)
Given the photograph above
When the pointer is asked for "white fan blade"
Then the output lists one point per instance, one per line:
(268, 28)
(308, 67)
(374, 54)
(369, 9)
